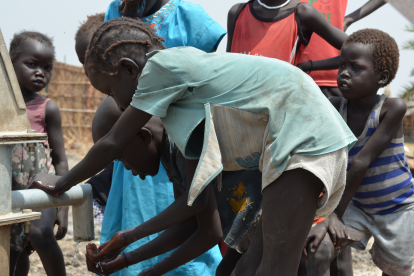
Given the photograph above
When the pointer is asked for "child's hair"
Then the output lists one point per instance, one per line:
(88, 27)
(385, 55)
(19, 39)
(117, 38)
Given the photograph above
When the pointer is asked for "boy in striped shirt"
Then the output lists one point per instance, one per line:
(378, 200)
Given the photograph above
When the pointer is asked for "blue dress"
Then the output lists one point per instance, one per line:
(131, 200)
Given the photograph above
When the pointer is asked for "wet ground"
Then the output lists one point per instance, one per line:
(362, 262)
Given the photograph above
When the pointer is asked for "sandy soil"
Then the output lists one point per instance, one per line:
(362, 263)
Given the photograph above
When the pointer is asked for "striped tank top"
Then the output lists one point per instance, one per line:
(388, 184)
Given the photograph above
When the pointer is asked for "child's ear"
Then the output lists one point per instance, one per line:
(384, 77)
(145, 135)
(129, 67)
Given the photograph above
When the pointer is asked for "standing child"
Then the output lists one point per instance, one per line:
(217, 112)
(280, 29)
(318, 49)
(378, 200)
(180, 23)
(33, 55)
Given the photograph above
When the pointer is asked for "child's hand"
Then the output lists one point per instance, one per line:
(46, 183)
(316, 234)
(62, 222)
(108, 250)
(337, 230)
(106, 268)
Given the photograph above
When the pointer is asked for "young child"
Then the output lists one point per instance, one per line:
(261, 112)
(319, 49)
(378, 200)
(33, 55)
(106, 116)
(180, 23)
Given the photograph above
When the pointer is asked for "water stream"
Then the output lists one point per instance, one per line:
(76, 251)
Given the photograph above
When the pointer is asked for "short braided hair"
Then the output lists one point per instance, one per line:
(88, 27)
(117, 38)
(385, 56)
(19, 39)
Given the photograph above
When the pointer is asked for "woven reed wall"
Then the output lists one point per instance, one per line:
(77, 100)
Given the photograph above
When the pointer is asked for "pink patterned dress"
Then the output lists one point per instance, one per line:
(26, 164)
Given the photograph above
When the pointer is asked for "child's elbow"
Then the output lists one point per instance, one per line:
(201, 202)
(218, 236)
(108, 146)
(215, 235)
(359, 164)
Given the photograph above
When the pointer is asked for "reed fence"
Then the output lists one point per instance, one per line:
(77, 100)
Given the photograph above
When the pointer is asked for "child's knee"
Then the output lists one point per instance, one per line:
(41, 236)
(323, 255)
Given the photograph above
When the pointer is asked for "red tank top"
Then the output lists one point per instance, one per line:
(318, 48)
(279, 38)
(36, 111)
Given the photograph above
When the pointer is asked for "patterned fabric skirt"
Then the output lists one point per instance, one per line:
(25, 165)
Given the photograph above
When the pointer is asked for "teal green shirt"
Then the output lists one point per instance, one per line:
(249, 104)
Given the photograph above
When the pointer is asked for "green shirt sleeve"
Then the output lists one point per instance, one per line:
(157, 89)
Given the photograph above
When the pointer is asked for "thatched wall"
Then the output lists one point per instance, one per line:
(77, 100)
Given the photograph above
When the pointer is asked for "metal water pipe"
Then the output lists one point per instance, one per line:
(79, 197)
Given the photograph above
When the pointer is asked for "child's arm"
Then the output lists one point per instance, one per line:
(165, 242)
(55, 137)
(193, 241)
(53, 122)
(231, 23)
(101, 154)
(312, 21)
(208, 234)
(363, 11)
(177, 212)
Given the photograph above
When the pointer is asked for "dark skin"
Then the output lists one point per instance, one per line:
(33, 69)
(359, 83)
(311, 21)
(363, 11)
(81, 45)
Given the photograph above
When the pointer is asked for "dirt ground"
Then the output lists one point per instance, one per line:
(362, 262)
